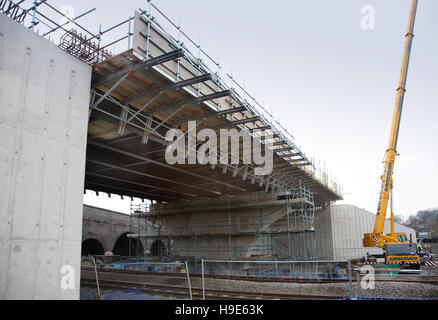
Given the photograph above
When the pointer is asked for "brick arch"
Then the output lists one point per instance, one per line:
(122, 246)
(92, 246)
(158, 248)
(104, 242)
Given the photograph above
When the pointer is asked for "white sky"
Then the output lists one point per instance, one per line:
(327, 80)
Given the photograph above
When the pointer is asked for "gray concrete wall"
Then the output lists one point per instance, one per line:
(307, 245)
(338, 231)
(226, 227)
(205, 233)
(324, 231)
(44, 96)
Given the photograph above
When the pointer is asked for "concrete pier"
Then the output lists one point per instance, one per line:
(44, 97)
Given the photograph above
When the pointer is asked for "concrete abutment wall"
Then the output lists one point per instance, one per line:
(44, 97)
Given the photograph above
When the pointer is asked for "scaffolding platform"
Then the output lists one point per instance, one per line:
(248, 229)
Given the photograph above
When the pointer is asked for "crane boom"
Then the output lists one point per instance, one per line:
(377, 238)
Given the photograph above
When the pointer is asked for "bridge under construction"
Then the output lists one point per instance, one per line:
(90, 111)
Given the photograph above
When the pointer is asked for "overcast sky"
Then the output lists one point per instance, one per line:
(329, 81)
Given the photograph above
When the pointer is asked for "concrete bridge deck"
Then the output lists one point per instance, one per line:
(159, 84)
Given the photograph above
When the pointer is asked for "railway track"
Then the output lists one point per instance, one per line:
(197, 294)
(409, 279)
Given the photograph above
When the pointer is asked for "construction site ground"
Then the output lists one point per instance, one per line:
(423, 286)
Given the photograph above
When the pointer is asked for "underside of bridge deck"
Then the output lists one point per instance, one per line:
(135, 102)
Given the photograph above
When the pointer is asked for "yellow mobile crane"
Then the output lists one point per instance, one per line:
(397, 248)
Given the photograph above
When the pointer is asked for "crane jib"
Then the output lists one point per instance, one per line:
(385, 185)
(375, 238)
(388, 177)
(380, 197)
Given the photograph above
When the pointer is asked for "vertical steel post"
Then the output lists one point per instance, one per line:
(178, 61)
(257, 225)
(289, 240)
(357, 285)
(139, 228)
(99, 39)
(97, 279)
(149, 16)
(350, 280)
(90, 109)
(199, 66)
(188, 280)
(203, 279)
(131, 232)
(229, 232)
(196, 251)
(129, 33)
(34, 14)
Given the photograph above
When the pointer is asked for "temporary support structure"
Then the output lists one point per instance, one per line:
(247, 227)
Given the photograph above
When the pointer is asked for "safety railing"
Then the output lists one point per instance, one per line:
(142, 264)
(62, 26)
(296, 270)
(284, 279)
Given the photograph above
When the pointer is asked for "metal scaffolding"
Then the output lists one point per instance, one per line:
(279, 231)
(159, 81)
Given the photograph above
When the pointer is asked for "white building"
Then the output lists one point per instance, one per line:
(340, 229)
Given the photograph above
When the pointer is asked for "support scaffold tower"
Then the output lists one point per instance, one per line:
(259, 226)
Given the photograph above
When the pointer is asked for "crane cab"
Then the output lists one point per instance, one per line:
(404, 254)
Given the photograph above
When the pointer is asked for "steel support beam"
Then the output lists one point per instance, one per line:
(272, 136)
(135, 156)
(106, 116)
(126, 191)
(278, 143)
(141, 66)
(198, 100)
(138, 183)
(260, 128)
(111, 166)
(283, 149)
(173, 86)
(229, 111)
(214, 115)
(301, 164)
(294, 155)
(106, 94)
(243, 121)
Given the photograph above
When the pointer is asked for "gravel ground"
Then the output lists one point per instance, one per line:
(382, 289)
